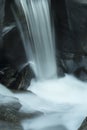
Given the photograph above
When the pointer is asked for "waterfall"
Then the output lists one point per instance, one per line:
(39, 38)
(62, 101)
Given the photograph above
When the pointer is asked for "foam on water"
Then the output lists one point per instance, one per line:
(62, 102)
(63, 90)
(69, 96)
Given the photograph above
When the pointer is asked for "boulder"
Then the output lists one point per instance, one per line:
(70, 22)
(24, 78)
(14, 79)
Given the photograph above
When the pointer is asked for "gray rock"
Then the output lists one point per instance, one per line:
(4, 125)
(84, 125)
(13, 79)
(9, 107)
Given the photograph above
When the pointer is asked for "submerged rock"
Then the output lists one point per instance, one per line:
(4, 125)
(9, 107)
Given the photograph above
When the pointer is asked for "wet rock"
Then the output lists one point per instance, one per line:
(24, 77)
(14, 79)
(60, 68)
(8, 75)
(70, 21)
(74, 64)
(83, 125)
(4, 125)
(9, 107)
(81, 73)
(70, 62)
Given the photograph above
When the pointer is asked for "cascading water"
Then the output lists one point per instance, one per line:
(62, 101)
(42, 46)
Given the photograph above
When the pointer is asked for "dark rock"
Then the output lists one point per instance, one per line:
(83, 125)
(8, 75)
(70, 21)
(60, 68)
(74, 64)
(9, 19)
(24, 77)
(81, 73)
(2, 5)
(78, 18)
(13, 49)
(14, 79)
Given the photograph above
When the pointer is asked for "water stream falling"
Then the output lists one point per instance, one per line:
(42, 45)
(62, 102)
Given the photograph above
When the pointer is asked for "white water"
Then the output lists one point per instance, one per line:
(63, 102)
(38, 22)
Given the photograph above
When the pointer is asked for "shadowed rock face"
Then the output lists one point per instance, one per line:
(70, 25)
(13, 48)
(70, 19)
(2, 5)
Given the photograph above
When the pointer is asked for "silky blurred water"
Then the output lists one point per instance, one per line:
(38, 37)
(62, 103)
